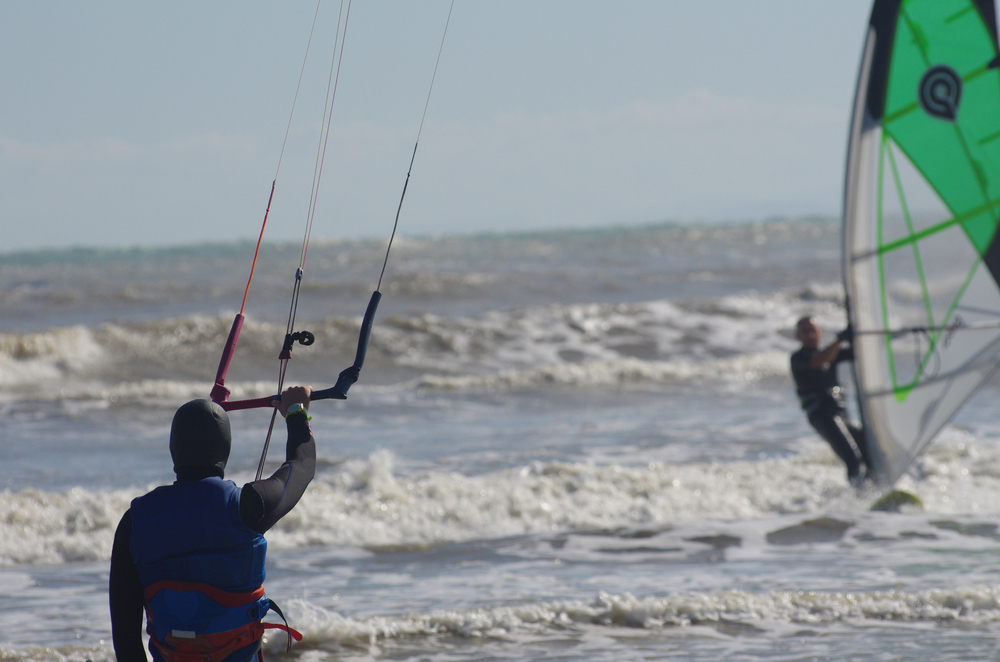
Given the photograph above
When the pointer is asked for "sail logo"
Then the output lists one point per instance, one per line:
(940, 92)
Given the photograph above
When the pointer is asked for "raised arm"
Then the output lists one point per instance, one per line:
(825, 356)
(264, 502)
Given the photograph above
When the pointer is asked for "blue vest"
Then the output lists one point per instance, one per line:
(195, 557)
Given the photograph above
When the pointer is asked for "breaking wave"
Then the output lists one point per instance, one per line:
(732, 339)
(366, 503)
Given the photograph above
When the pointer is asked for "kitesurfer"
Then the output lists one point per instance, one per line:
(192, 553)
(815, 373)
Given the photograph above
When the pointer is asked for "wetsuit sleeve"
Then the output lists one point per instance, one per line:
(800, 366)
(264, 502)
(125, 596)
(845, 354)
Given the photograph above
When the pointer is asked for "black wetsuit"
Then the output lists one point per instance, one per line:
(819, 392)
(262, 504)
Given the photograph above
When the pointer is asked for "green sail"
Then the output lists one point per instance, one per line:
(957, 155)
(922, 202)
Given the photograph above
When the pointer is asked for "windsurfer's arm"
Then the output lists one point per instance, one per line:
(824, 356)
(264, 502)
(125, 596)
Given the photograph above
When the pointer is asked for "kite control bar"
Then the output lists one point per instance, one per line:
(347, 377)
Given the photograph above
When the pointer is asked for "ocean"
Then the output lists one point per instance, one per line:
(574, 445)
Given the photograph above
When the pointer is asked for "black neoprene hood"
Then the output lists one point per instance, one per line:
(200, 436)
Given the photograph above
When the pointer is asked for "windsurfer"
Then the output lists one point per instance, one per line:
(192, 553)
(815, 373)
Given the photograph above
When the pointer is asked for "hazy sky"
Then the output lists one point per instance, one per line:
(136, 123)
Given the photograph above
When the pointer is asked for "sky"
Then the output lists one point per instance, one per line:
(146, 124)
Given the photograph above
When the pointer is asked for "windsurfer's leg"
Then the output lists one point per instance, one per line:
(831, 429)
(862, 444)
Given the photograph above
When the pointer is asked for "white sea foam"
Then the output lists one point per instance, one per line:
(104, 653)
(735, 371)
(367, 504)
(768, 614)
(772, 611)
(31, 360)
(732, 339)
(566, 334)
(39, 527)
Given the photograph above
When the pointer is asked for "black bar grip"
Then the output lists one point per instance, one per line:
(366, 329)
(347, 377)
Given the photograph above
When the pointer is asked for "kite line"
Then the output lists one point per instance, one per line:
(220, 393)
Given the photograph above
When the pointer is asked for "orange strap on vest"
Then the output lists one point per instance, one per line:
(215, 646)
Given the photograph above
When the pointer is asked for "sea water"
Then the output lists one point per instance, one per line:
(581, 445)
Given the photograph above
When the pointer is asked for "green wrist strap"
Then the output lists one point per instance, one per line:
(297, 408)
